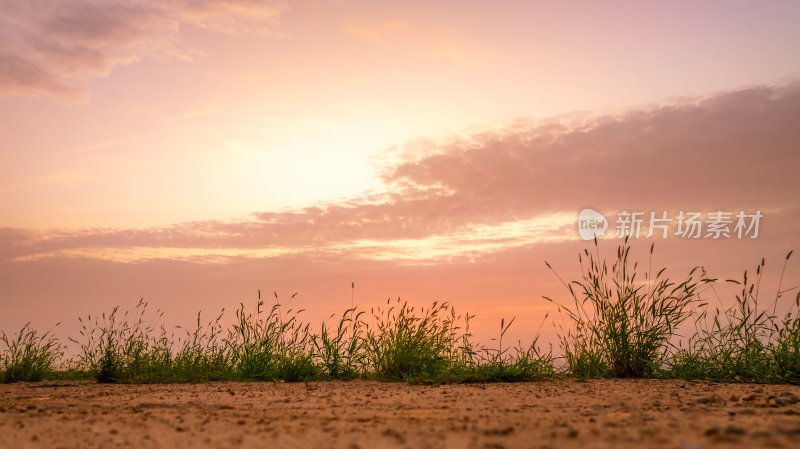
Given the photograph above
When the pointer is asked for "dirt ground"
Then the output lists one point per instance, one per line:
(359, 414)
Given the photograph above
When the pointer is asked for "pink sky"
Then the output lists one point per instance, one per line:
(193, 151)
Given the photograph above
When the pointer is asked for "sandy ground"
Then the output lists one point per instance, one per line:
(554, 414)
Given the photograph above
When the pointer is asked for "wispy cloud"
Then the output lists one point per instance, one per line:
(50, 46)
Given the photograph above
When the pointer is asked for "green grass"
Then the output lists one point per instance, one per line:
(746, 342)
(340, 352)
(623, 325)
(271, 343)
(28, 355)
(405, 345)
(625, 322)
(621, 321)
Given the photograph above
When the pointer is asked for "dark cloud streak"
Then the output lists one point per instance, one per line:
(51, 47)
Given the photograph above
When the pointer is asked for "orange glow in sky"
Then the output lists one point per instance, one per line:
(192, 151)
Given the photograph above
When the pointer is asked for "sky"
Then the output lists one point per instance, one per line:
(191, 152)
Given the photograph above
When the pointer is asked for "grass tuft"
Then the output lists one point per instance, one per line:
(340, 352)
(405, 345)
(623, 322)
(28, 355)
(271, 346)
(747, 342)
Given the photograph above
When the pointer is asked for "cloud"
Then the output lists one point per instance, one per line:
(20, 75)
(731, 149)
(50, 47)
(515, 186)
